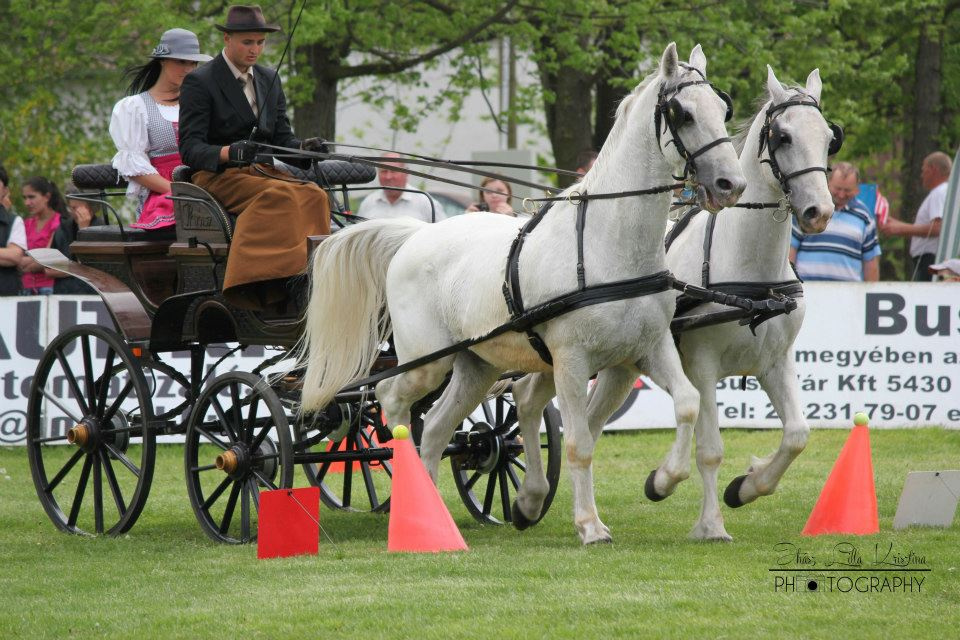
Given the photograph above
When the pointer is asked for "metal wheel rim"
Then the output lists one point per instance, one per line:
(489, 496)
(214, 493)
(89, 403)
(339, 484)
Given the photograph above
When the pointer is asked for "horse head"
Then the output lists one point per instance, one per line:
(795, 141)
(690, 126)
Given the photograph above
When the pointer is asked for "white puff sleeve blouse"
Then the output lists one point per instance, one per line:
(128, 128)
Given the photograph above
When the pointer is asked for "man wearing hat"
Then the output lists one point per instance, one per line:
(226, 108)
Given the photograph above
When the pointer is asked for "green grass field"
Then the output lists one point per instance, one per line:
(166, 579)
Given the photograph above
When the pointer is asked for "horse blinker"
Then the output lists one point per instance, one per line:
(837, 142)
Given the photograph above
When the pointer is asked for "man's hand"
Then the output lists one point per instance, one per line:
(243, 152)
(892, 227)
(316, 145)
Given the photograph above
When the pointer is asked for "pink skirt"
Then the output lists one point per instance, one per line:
(157, 211)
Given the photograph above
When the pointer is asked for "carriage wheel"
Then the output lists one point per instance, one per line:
(489, 475)
(90, 437)
(180, 409)
(352, 485)
(238, 440)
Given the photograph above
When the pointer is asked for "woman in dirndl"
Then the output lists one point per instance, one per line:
(144, 126)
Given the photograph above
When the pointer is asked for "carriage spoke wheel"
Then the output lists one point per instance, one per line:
(90, 438)
(170, 391)
(358, 485)
(237, 442)
(490, 474)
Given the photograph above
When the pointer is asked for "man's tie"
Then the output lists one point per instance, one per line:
(249, 92)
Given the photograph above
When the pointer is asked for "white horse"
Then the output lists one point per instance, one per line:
(443, 283)
(753, 246)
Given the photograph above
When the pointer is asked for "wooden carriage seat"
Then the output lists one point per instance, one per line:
(205, 228)
(135, 256)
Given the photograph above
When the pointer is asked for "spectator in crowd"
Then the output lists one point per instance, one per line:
(494, 202)
(848, 248)
(392, 202)
(144, 126)
(83, 214)
(585, 160)
(228, 108)
(947, 271)
(46, 208)
(13, 240)
(924, 232)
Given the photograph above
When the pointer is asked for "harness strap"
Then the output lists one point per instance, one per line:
(596, 294)
(581, 225)
(707, 244)
(679, 226)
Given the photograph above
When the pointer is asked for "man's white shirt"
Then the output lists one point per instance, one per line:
(930, 210)
(413, 205)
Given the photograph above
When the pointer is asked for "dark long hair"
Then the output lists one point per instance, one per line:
(44, 186)
(143, 76)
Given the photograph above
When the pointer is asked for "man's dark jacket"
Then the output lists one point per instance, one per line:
(214, 113)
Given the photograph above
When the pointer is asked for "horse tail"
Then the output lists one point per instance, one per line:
(347, 318)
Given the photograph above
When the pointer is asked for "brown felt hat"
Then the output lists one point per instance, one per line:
(246, 18)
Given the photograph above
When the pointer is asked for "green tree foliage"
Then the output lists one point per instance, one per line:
(890, 69)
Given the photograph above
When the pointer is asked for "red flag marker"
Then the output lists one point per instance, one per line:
(289, 523)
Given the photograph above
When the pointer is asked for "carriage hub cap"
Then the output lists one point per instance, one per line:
(485, 446)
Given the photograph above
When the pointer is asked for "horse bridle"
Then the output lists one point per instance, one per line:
(669, 115)
(771, 139)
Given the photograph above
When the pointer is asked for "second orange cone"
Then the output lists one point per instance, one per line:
(419, 521)
(848, 501)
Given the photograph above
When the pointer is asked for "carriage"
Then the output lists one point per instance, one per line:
(94, 414)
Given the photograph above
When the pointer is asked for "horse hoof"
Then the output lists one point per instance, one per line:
(650, 490)
(732, 495)
(520, 521)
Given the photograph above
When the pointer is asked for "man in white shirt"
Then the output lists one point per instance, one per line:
(925, 231)
(389, 202)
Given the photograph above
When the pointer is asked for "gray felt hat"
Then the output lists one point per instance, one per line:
(179, 44)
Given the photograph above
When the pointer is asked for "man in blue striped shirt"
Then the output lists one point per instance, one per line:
(848, 248)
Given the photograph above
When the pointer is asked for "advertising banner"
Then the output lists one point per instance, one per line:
(889, 349)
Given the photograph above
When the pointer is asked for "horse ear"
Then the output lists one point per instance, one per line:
(698, 61)
(814, 85)
(670, 61)
(774, 88)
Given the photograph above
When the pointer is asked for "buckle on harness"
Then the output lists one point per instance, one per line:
(783, 207)
(529, 206)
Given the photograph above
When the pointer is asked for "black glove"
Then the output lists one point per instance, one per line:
(243, 152)
(316, 145)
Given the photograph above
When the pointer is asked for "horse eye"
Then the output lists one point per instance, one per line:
(785, 138)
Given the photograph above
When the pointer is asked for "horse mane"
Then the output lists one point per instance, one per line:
(616, 131)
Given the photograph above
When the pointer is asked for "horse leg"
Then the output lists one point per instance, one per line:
(570, 375)
(780, 383)
(397, 394)
(709, 456)
(471, 379)
(607, 395)
(531, 395)
(663, 367)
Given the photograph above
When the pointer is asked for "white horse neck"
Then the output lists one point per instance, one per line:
(623, 236)
(750, 245)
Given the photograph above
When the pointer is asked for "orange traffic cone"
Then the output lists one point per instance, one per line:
(419, 521)
(848, 502)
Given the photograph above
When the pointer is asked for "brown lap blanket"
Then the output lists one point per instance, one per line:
(269, 242)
